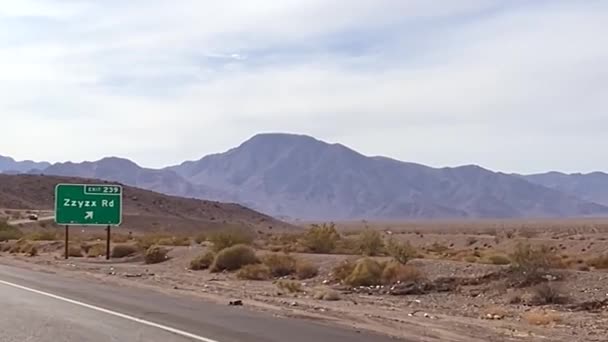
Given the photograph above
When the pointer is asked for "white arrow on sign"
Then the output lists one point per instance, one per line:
(89, 215)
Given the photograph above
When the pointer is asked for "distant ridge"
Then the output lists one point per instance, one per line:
(300, 177)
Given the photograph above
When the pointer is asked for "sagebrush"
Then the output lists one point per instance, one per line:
(230, 237)
(203, 261)
(233, 258)
(321, 238)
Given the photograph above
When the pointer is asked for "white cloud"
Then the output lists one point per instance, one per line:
(518, 87)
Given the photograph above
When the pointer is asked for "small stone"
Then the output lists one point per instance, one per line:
(293, 304)
(236, 303)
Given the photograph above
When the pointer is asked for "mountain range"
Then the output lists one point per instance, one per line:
(10, 165)
(300, 177)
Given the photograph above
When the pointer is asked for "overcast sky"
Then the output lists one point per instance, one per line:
(516, 86)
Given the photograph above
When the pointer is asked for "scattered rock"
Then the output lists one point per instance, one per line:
(134, 275)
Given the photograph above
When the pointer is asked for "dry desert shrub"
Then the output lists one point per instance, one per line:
(548, 293)
(144, 242)
(203, 261)
(155, 255)
(280, 264)
(74, 251)
(119, 238)
(321, 238)
(121, 251)
(289, 286)
(174, 241)
(401, 251)
(343, 270)
(43, 235)
(254, 272)
(530, 262)
(230, 237)
(233, 258)
(367, 272)
(395, 272)
(369, 243)
(29, 248)
(9, 232)
(306, 270)
(96, 250)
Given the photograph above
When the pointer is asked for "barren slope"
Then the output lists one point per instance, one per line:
(143, 209)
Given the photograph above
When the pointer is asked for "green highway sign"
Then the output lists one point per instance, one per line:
(88, 204)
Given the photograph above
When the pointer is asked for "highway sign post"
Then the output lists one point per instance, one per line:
(88, 205)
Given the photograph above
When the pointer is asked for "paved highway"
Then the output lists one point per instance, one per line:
(43, 307)
(27, 220)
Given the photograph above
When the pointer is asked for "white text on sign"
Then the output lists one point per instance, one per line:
(87, 204)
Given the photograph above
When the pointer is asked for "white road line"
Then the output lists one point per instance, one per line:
(113, 313)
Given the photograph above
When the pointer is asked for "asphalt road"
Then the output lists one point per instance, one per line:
(41, 307)
(25, 221)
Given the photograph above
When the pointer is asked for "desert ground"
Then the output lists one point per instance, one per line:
(489, 280)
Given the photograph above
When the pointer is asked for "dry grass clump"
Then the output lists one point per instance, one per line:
(155, 255)
(280, 264)
(321, 238)
(341, 271)
(401, 251)
(230, 237)
(306, 270)
(74, 251)
(548, 293)
(369, 243)
(96, 250)
(121, 251)
(43, 235)
(233, 258)
(203, 261)
(29, 248)
(289, 286)
(530, 263)
(367, 272)
(254, 272)
(144, 242)
(395, 272)
(8, 232)
(174, 241)
(119, 238)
